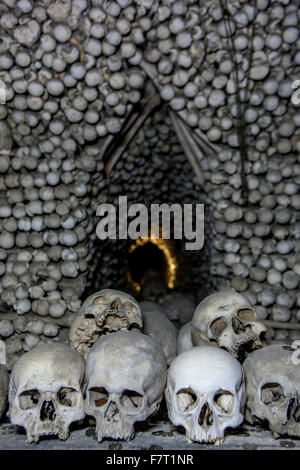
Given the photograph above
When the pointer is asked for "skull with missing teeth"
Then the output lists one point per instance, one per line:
(126, 376)
(227, 319)
(205, 393)
(45, 391)
(103, 312)
(273, 388)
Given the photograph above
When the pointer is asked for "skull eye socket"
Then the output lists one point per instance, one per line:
(98, 396)
(286, 347)
(100, 300)
(134, 326)
(131, 400)
(218, 326)
(67, 396)
(186, 399)
(246, 314)
(29, 399)
(224, 401)
(271, 393)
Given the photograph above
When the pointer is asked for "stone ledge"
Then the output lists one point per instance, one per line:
(158, 435)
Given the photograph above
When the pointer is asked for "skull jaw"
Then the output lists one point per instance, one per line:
(62, 434)
(35, 430)
(120, 430)
(291, 429)
(278, 423)
(123, 428)
(212, 434)
(215, 433)
(197, 434)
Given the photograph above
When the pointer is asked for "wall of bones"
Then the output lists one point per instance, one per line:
(162, 101)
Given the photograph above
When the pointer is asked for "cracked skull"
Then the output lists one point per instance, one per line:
(273, 389)
(45, 391)
(227, 319)
(103, 312)
(205, 393)
(126, 376)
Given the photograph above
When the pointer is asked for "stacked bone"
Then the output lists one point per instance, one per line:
(227, 69)
(67, 80)
(154, 169)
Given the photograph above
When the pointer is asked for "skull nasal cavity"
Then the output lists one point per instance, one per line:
(293, 410)
(112, 412)
(48, 411)
(206, 416)
(237, 325)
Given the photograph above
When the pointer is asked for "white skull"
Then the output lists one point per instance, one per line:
(227, 319)
(3, 388)
(273, 389)
(126, 377)
(161, 329)
(45, 391)
(205, 393)
(104, 312)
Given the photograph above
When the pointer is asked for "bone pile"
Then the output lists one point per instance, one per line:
(209, 387)
(144, 174)
(75, 71)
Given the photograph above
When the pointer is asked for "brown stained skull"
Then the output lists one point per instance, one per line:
(45, 394)
(273, 384)
(227, 319)
(126, 377)
(105, 311)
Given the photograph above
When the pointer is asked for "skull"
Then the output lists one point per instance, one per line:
(227, 319)
(273, 389)
(205, 393)
(158, 326)
(126, 376)
(3, 388)
(45, 391)
(184, 340)
(153, 285)
(104, 312)
(179, 307)
(149, 306)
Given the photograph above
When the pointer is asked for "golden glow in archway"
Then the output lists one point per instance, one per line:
(171, 262)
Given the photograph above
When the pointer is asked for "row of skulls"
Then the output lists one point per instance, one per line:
(117, 374)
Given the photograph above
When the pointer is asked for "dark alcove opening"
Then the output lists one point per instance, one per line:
(146, 261)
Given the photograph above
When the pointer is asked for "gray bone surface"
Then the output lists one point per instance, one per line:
(161, 329)
(126, 377)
